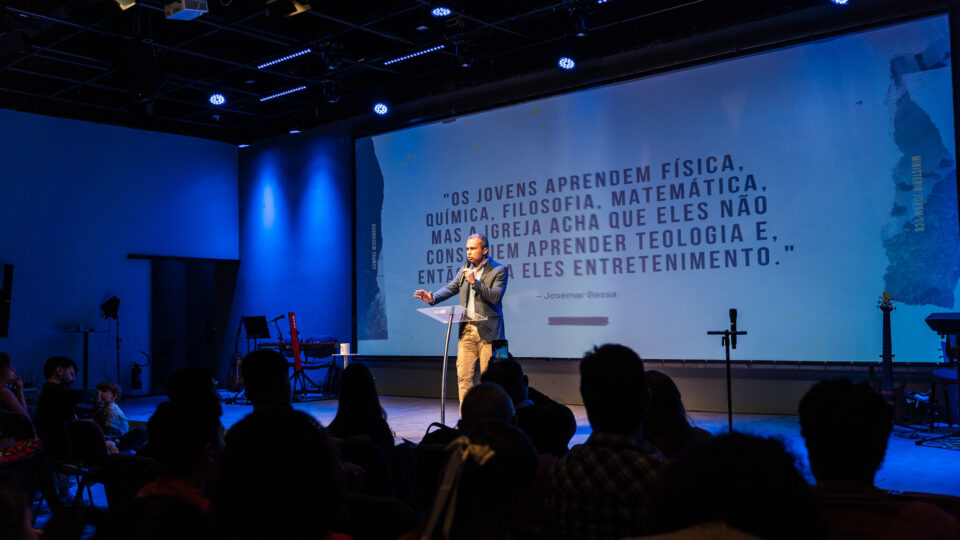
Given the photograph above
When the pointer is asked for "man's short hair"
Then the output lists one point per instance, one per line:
(109, 387)
(485, 401)
(265, 377)
(614, 388)
(845, 426)
(509, 375)
(179, 433)
(54, 362)
(483, 239)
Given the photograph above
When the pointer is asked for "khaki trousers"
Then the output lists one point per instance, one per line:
(471, 349)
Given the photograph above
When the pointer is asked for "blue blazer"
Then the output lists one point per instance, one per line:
(488, 301)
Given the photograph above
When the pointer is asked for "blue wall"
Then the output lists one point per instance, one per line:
(296, 196)
(75, 199)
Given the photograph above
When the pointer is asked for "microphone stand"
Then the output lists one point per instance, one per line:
(725, 340)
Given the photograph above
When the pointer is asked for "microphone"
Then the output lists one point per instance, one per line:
(733, 328)
(275, 319)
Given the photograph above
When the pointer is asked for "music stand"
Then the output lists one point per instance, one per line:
(448, 315)
(256, 327)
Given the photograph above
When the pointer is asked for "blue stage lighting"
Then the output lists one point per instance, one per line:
(413, 55)
(566, 62)
(217, 99)
(243, 145)
(284, 59)
(285, 92)
(294, 131)
(840, 2)
(440, 11)
(381, 109)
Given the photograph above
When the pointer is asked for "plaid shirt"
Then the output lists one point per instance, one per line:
(599, 488)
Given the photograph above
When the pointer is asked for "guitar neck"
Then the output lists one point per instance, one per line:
(887, 356)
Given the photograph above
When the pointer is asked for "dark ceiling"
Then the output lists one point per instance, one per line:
(89, 60)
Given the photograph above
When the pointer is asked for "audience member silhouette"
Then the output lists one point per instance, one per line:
(281, 478)
(265, 378)
(486, 477)
(550, 425)
(158, 517)
(57, 407)
(15, 517)
(196, 387)
(598, 489)
(109, 416)
(187, 443)
(359, 413)
(487, 401)
(11, 400)
(735, 481)
(667, 426)
(846, 427)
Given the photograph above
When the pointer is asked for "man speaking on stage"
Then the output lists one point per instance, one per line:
(481, 284)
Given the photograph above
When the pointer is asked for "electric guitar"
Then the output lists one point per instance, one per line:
(892, 395)
(235, 376)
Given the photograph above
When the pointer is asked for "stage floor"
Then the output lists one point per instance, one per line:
(907, 468)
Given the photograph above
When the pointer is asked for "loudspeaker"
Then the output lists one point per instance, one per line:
(5, 295)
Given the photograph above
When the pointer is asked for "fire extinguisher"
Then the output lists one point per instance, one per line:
(135, 371)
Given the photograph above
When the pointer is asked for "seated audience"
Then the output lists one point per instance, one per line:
(734, 485)
(265, 379)
(667, 426)
(108, 415)
(485, 401)
(57, 407)
(359, 413)
(196, 387)
(158, 517)
(187, 443)
(598, 489)
(550, 425)
(485, 478)
(15, 516)
(846, 427)
(281, 478)
(11, 399)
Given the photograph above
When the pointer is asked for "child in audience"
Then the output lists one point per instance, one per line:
(109, 415)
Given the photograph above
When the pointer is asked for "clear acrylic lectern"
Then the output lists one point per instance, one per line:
(448, 315)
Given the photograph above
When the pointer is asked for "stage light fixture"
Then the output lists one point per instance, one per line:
(840, 2)
(294, 130)
(287, 8)
(381, 108)
(441, 11)
(284, 93)
(243, 145)
(284, 58)
(566, 63)
(111, 308)
(217, 99)
(414, 55)
(125, 4)
(185, 10)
